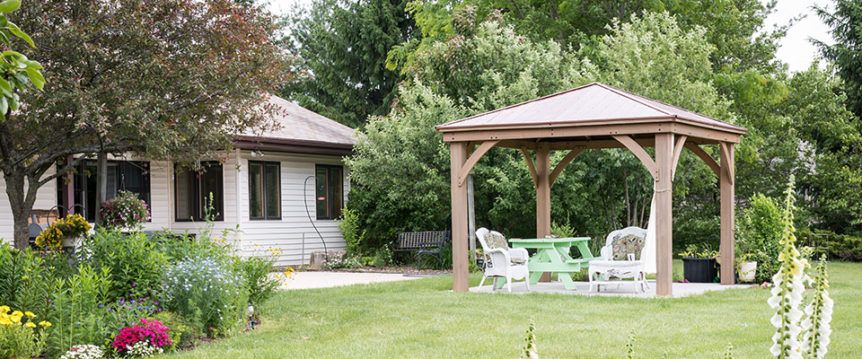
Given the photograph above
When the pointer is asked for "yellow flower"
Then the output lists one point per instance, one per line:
(30, 314)
(30, 325)
(4, 309)
(45, 323)
(5, 321)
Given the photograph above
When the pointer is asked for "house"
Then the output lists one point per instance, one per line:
(273, 186)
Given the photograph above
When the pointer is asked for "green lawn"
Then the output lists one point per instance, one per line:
(422, 319)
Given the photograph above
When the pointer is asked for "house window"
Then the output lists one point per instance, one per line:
(194, 189)
(128, 176)
(264, 190)
(329, 190)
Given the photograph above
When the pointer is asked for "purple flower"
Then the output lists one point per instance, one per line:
(101, 305)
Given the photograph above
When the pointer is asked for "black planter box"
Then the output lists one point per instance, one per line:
(700, 270)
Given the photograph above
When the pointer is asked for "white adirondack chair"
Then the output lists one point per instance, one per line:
(632, 265)
(502, 261)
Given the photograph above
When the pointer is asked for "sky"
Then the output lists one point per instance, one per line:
(796, 49)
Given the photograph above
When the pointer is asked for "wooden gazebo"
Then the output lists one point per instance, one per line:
(594, 116)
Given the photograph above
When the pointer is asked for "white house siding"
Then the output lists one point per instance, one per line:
(46, 198)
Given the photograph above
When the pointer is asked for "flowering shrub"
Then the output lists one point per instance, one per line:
(86, 351)
(208, 293)
(126, 210)
(20, 335)
(71, 226)
(144, 350)
(147, 336)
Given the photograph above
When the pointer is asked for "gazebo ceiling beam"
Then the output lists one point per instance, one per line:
(474, 158)
(563, 163)
(699, 152)
(530, 165)
(640, 153)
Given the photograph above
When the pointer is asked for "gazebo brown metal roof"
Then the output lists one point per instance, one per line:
(594, 116)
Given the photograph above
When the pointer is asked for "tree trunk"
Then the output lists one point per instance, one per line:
(21, 203)
(101, 183)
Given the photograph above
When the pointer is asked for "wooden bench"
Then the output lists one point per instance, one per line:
(424, 243)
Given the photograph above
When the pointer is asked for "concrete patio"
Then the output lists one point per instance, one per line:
(623, 289)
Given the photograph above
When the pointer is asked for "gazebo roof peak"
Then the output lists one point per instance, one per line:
(594, 104)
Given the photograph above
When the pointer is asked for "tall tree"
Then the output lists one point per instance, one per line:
(846, 53)
(168, 79)
(342, 48)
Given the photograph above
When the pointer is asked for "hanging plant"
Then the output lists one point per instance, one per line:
(125, 210)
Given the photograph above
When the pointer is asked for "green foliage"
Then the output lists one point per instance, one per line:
(382, 257)
(182, 335)
(529, 351)
(27, 279)
(351, 231)
(759, 235)
(18, 71)
(209, 294)
(836, 246)
(75, 314)
(342, 46)
(255, 270)
(18, 340)
(846, 52)
(135, 266)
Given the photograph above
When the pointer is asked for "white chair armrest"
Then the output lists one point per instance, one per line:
(519, 253)
(607, 253)
(497, 252)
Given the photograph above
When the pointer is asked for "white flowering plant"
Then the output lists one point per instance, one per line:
(799, 333)
(143, 349)
(125, 210)
(84, 351)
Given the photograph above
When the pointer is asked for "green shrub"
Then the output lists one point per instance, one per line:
(255, 272)
(382, 257)
(20, 336)
(836, 246)
(136, 267)
(75, 316)
(182, 334)
(209, 293)
(759, 234)
(27, 278)
(351, 231)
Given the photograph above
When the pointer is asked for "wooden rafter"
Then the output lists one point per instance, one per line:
(677, 151)
(640, 153)
(563, 163)
(699, 152)
(474, 158)
(530, 165)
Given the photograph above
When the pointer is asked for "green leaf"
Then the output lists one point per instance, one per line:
(15, 30)
(4, 105)
(14, 104)
(36, 77)
(8, 6)
(4, 85)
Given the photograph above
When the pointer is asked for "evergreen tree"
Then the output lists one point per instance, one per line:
(846, 23)
(342, 48)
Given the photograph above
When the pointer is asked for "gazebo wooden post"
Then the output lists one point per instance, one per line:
(543, 191)
(728, 242)
(460, 275)
(664, 213)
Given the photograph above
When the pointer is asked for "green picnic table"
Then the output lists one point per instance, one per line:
(552, 255)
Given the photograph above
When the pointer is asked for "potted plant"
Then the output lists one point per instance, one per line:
(746, 255)
(64, 233)
(699, 266)
(125, 212)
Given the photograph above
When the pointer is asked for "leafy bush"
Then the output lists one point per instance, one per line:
(351, 231)
(125, 210)
(837, 246)
(135, 266)
(75, 314)
(20, 336)
(207, 293)
(73, 226)
(382, 257)
(759, 235)
(255, 272)
(27, 279)
(181, 335)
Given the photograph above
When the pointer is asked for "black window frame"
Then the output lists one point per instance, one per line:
(85, 172)
(263, 186)
(333, 213)
(197, 201)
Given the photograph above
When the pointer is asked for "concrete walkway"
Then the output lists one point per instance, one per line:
(624, 289)
(310, 280)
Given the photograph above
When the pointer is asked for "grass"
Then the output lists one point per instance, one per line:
(422, 319)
